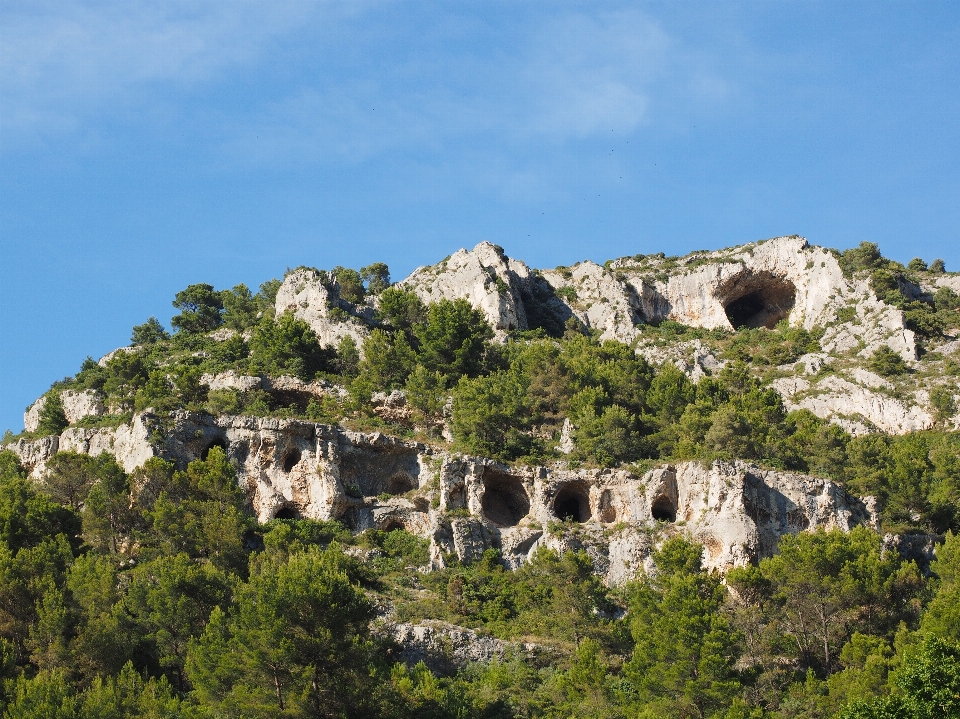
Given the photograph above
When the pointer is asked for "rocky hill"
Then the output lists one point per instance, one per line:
(721, 485)
(678, 311)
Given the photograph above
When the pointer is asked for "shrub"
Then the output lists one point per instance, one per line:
(288, 346)
(52, 419)
(884, 361)
(240, 308)
(377, 277)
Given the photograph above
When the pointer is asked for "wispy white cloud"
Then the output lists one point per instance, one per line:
(569, 77)
(63, 62)
(67, 66)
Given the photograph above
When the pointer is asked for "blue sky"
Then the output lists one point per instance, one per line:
(147, 146)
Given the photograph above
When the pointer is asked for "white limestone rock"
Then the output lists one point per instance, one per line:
(310, 300)
(231, 380)
(444, 648)
(856, 408)
(80, 404)
(598, 299)
(31, 418)
(485, 276)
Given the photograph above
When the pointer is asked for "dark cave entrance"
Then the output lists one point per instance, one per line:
(291, 460)
(400, 483)
(760, 300)
(664, 510)
(218, 442)
(287, 512)
(392, 525)
(573, 503)
(504, 501)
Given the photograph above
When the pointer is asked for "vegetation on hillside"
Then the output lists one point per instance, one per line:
(156, 593)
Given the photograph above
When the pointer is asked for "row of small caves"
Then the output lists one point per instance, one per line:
(504, 501)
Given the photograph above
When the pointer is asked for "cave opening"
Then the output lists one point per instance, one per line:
(572, 503)
(287, 512)
(220, 442)
(760, 300)
(374, 472)
(392, 525)
(291, 460)
(399, 483)
(504, 501)
(664, 510)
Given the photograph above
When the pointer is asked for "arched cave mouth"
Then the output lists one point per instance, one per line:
(218, 442)
(375, 472)
(664, 510)
(758, 300)
(287, 511)
(504, 501)
(291, 459)
(400, 483)
(572, 503)
(392, 525)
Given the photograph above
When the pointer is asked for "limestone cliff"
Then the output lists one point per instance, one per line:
(465, 505)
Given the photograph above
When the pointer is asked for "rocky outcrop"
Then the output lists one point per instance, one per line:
(598, 299)
(76, 406)
(315, 299)
(754, 285)
(506, 291)
(444, 648)
(859, 407)
(737, 510)
(466, 505)
(85, 403)
(31, 418)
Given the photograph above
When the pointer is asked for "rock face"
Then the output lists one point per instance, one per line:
(445, 648)
(857, 408)
(31, 418)
(311, 299)
(510, 295)
(86, 403)
(76, 406)
(466, 505)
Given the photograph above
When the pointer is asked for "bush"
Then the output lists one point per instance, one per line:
(866, 256)
(350, 283)
(884, 361)
(453, 339)
(52, 418)
(240, 308)
(490, 415)
(288, 346)
(377, 277)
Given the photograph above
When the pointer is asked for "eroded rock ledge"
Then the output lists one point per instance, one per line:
(465, 505)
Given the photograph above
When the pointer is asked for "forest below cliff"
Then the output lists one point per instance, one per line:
(155, 593)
